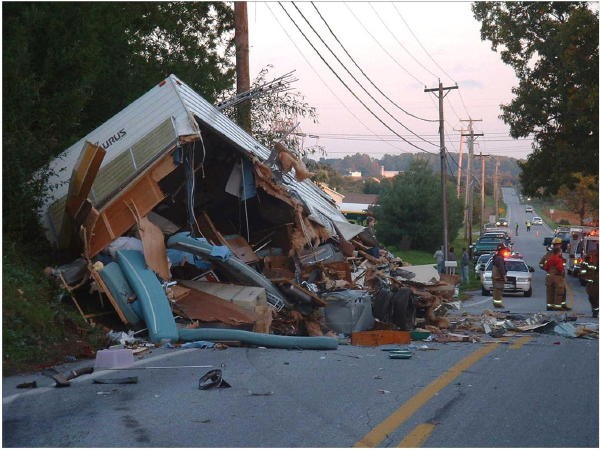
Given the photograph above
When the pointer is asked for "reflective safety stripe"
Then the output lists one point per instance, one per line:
(499, 302)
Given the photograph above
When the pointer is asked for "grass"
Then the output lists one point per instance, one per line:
(38, 328)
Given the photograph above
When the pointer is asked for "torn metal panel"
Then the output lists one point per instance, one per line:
(348, 311)
(425, 274)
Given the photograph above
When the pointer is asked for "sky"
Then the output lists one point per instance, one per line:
(402, 48)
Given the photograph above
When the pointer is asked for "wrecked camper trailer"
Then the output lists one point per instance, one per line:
(170, 193)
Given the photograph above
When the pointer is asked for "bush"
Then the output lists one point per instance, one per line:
(38, 327)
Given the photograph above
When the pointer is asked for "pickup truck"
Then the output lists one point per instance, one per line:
(487, 244)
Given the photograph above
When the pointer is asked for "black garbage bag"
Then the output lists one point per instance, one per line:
(397, 306)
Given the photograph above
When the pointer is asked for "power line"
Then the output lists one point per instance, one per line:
(324, 82)
(345, 85)
(381, 46)
(401, 45)
(365, 75)
(419, 42)
(355, 80)
(434, 61)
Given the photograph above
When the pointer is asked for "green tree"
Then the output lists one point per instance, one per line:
(581, 196)
(68, 67)
(410, 210)
(275, 115)
(553, 48)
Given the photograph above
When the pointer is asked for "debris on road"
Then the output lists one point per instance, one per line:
(63, 379)
(212, 379)
(122, 380)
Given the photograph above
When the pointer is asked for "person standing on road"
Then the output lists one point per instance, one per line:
(465, 261)
(451, 257)
(439, 259)
(528, 225)
(498, 275)
(555, 280)
(517, 230)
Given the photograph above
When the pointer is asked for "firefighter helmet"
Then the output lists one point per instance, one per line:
(557, 241)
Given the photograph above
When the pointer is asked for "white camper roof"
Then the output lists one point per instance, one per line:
(151, 126)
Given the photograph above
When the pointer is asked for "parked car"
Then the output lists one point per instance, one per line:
(528, 209)
(518, 277)
(488, 244)
(502, 222)
(480, 264)
(497, 232)
(575, 248)
(537, 221)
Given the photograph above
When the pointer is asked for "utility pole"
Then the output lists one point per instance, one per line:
(482, 156)
(496, 189)
(460, 153)
(440, 95)
(242, 62)
(469, 186)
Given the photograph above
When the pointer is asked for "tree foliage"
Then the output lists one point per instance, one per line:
(275, 116)
(580, 197)
(68, 67)
(409, 211)
(553, 48)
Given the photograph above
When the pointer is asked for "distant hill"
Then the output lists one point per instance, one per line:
(508, 169)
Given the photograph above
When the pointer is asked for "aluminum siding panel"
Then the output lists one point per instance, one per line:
(137, 120)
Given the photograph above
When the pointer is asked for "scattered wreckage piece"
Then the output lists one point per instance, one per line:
(259, 339)
(240, 271)
(208, 308)
(248, 298)
(376, 338)
(63, 379)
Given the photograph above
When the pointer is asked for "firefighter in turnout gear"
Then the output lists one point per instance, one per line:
(555, 280)
(499, 274)
(550, 304)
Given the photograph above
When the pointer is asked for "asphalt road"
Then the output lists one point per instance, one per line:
(533, 390)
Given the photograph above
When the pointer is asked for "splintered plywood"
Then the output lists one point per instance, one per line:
(197, 305)
(117, 217)
(246, 297)
(155, 251)
(240, 248)
(83, 176)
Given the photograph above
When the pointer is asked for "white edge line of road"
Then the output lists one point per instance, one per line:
(10, 398)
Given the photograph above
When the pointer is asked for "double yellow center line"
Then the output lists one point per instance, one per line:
(402, 414)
